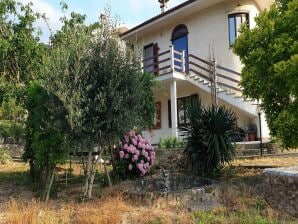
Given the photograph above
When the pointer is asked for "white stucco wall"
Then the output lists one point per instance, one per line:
(208, 31)
(184, 88)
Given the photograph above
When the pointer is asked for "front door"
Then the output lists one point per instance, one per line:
(181, 44)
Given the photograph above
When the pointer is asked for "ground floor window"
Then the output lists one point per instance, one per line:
(182, 104)
(157, 116)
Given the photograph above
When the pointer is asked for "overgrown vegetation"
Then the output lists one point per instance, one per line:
(46, 135)
(241, 202)
(4, 156)
(208, 135)
(270, 55)
(171, 142)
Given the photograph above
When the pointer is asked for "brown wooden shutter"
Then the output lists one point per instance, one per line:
(158, 115)
(169, 114)
(155, 60)
(194, 97)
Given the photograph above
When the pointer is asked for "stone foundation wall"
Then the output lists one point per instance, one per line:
(205, 198)
(14, 150)
(163, 154)
(281, 189)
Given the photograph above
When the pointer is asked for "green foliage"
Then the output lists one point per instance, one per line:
(171, 142)
(46, 130)
(11, 121)
(12, 130)
(208, 137)
(251, 217)
(20, 52)
(4, 156)
(99, 81)
(270, 55)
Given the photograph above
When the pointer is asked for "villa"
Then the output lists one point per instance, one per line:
(189, 49)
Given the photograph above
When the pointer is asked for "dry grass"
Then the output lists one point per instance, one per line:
(35, 212)
(13, 167)
(108, 211)
(241, 202)
(270, 161)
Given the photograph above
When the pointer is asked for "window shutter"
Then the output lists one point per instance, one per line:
(169, 114)
(194, 98)
(158, 116)
(155, 60)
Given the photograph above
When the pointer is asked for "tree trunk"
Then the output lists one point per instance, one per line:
(89, 160)
(49, 184)
(108, 174)
(91, 172)
(112, 155)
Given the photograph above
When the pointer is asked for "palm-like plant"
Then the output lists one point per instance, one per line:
(208, 135)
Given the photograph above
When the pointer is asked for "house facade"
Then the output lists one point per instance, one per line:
(189, 49)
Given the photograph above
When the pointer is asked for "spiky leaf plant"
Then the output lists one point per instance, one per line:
(208, 135)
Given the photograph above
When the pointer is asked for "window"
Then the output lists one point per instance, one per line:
(150, 58)
(157, 116)
(182, 104)
(235, 21)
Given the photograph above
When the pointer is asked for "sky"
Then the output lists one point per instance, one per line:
(129, 12)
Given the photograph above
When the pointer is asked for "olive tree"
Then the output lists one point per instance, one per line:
(99, 80)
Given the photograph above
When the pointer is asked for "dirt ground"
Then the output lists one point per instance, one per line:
(241, 201)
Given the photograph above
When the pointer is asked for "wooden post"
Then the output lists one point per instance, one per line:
(183, 61)
(215, 82)
(172, 58)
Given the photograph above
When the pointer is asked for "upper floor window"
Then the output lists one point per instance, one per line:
(235, 21)
(150, 58)
(179, 31)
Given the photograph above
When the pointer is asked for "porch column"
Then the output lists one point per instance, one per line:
(174, 109)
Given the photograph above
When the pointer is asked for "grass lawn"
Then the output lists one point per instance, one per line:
(241, 201)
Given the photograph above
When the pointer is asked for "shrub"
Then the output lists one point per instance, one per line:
(208, 135)
(170, 142)
(135, 155)
(13, 130)
(4, 156)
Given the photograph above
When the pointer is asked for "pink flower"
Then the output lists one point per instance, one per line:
(142, 162)
(134, 142)
(121, 154)
(146, 166)
(125, 146)
(137, 152)
(135, 157)
(140, 145)
(140, 166)
(126, 138)
(130, 166)
(143, 172)
(127, 156)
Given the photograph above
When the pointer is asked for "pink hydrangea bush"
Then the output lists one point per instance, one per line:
(135, 154)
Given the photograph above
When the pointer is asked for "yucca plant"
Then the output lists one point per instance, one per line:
(208, 135)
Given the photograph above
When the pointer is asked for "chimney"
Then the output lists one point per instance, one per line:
(163, 5)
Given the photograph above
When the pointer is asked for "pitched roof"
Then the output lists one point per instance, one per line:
(158, 16)
(183, 7)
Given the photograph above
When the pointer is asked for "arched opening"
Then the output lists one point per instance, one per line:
(180, 42)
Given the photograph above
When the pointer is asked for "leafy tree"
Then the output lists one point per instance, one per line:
(46, 135)
(270, 55)
(101, 85)
(20, 52)
(20, 60)
(209, 134)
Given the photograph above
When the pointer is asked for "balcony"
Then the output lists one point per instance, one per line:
(178, 64)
